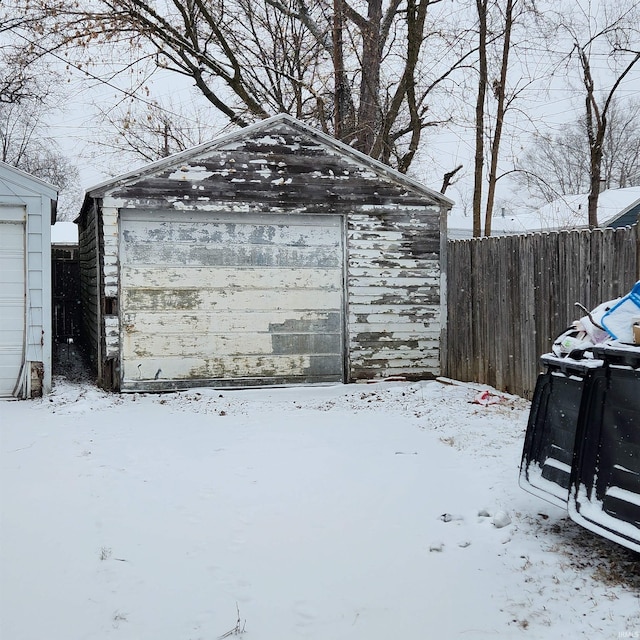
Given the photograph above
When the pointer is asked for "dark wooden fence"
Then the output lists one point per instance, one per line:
(65, 279)
(509, 297)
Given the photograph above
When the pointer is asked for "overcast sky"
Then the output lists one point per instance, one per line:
(78, 127)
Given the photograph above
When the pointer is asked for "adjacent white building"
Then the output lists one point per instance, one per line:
(27, 211)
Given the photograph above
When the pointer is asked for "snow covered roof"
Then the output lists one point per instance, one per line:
(567, 212)
(64, 233)
(628, 215)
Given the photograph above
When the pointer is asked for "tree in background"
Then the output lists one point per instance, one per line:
(505, 31)
(554, 165)
(28, 93)
(621, 157)
(18, 60)
(558, 165)
(499, 90)
(254, 58)
(152, 129)
(607, 33)
(25, 144)
(482, 7)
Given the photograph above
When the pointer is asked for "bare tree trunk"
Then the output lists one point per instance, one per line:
(500, 92)
(478, 173)
(338, 70)
(595, 124)
(369, 110)
(595, 164)
(405, 93)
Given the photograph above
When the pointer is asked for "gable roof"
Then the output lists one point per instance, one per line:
(18, 184)
(629, 215)
(266, 126)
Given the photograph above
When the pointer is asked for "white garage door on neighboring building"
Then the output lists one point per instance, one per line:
(12, 303)
(244, 300)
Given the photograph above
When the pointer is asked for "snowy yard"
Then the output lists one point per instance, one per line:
(364, 512)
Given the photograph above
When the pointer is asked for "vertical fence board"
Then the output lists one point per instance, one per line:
(504, 370)
(529, 364)
(477, 295)
(510, 296)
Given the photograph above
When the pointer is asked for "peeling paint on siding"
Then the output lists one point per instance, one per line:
(394, 293)
(190, 173)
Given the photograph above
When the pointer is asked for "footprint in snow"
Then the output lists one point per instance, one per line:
(448, 517)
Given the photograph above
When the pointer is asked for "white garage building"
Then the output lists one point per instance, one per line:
(273, 255)
(27, 211)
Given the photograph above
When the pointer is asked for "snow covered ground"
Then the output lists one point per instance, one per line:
(364, 512)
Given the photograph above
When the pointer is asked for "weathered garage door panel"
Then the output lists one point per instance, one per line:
(294, 244)
(262, 256)
(12, 304)
(238, 370)
(289, 230)
(207, 300)
(143, 344)
(230, 278)
(277, 321)
(221, 299)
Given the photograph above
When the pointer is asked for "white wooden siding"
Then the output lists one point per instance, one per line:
(229, 299)
(393, 294)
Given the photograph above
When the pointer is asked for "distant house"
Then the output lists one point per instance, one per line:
(616, 208)
(629, 213)
(272, 255)
(27, 211)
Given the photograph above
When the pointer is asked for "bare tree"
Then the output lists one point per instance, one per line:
(357, 69)
(557, 165)
(14, 82)
(610, 30)
(28, 94)
(25, 145)
(554, 165)
(20, 60)
(152, 129)
(499, 89)
(482, 7)
(621, 156)
(503, 30)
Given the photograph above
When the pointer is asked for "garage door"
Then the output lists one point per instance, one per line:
(12, 304)
(222, 300)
